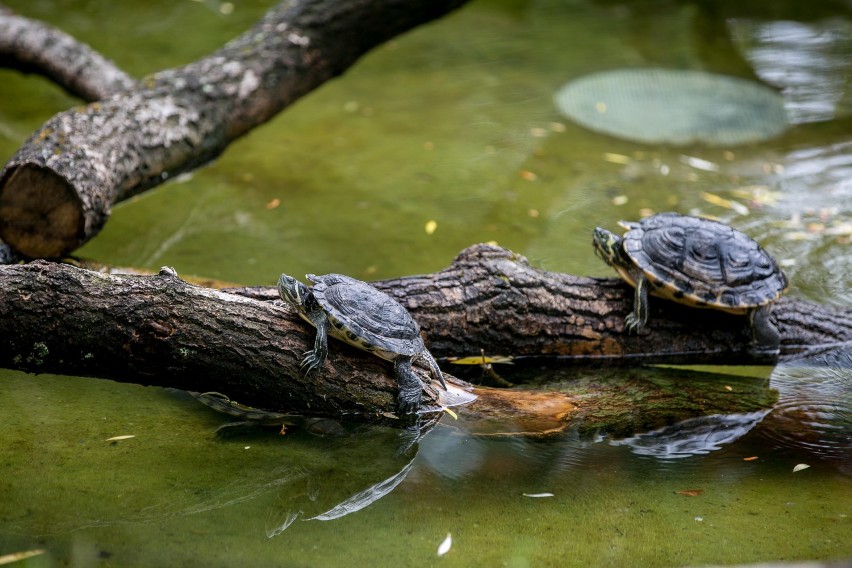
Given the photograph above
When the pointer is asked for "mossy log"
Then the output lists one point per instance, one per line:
(57, 191)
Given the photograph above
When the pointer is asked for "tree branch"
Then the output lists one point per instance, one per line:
(31, 46)
(57, 190)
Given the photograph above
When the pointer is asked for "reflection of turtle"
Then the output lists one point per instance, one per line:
(365, 317)
(697, 262)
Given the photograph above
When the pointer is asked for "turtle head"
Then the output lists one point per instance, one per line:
(292, 291)
(608, 246)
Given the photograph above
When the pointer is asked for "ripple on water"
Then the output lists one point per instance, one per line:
(814, 410)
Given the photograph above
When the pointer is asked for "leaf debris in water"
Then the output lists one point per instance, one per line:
(722, 202)
(800, 467)
(431, 227)
(445, 545)
(119, 438)
(538, 495)
(690, 492)
(450, 411)
(17, 556)
(480, 360)
(750, 458)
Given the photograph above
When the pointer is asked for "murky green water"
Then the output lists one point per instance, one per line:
(453, 123)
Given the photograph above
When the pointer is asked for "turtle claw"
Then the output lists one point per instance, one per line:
(310, 364)
(632, 324)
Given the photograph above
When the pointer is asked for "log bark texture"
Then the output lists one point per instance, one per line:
(159, 330)
(56, 192)
(491, 299)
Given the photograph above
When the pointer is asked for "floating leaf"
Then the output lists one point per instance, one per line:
(273, 204)
(690, 492)
(800, 467)
(674, 106)
(538, 495)
(118, 438)
(750, 458)
(431, 227)
(616, 158)
(722, 202)
(445, 545)
(699, 164)
(480, 360)
(18, 556)
(451, 413)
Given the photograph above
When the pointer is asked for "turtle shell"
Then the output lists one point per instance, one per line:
(366, 317)
(703, 263)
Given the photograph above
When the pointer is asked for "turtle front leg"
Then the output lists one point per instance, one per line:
(636, 320)
(315, 358)
(410, 389)
(764, 334)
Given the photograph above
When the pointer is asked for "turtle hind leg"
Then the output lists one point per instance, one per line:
(410, 389)
(764, 334)
(433, 365)
(636, 320)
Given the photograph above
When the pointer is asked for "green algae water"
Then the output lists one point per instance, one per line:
(446, 137)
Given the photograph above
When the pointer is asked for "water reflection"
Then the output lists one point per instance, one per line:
(808, 61)
(814, 410)
(693, 437)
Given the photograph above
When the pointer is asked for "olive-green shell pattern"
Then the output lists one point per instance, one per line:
(703, 263)
(365, 317)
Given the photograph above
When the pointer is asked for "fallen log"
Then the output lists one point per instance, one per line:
(57, 191)
(160, 330)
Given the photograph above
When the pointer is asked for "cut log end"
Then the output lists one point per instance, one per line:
(42, 216)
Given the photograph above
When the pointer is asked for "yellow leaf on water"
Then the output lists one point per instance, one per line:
(690, 492)
(18, 556)
(118, 438)
(616, 158)
(722, 202)
(431, 227)
(800, 467)
(481, 360)
(750, 458)
(452, 413)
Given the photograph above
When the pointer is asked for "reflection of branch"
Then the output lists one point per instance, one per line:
(35, 47)
(57, 191)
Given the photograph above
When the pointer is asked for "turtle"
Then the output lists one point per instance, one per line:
(697, 262)
(361, 315)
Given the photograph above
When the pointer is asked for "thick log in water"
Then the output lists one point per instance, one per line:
(159, 330)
